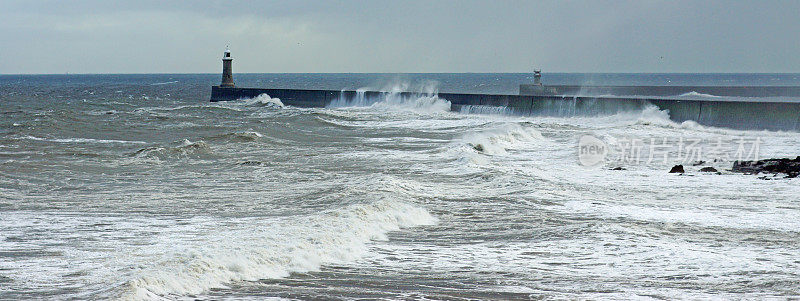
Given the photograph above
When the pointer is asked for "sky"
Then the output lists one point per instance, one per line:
(110, 36)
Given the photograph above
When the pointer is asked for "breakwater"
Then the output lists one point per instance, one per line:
(755, 115)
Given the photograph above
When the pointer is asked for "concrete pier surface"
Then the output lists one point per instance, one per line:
(736, 91)
(754, 115)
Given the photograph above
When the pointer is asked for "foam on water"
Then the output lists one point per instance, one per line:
(260, 193)
(767, 218)
(185, 148)
(272, 249)
(165, 83)
(246, 136)
(497, 141)
(81, 140)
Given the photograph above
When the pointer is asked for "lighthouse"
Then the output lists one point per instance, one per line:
(227, 73)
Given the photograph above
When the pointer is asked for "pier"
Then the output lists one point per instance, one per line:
(536, 100)
(777, 116)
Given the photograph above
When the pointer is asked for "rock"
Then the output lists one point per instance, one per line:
(677, 169)
(698, 163)
(790, 167)
(708, 169)
(478, 147)
(618, 168)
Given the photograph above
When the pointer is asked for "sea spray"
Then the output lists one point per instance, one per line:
(399, 97)
(265, 100)
(485, 110)
(695, 94)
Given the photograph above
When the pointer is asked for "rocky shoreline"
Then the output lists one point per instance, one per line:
(789, 167)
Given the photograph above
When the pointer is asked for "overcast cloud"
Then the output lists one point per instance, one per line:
(399, 36)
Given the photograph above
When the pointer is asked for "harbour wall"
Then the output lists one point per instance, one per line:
(737, 91)
(776, 116)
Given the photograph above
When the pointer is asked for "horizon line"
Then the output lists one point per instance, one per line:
(553, 72)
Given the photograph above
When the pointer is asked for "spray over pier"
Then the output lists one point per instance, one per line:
(567, 101)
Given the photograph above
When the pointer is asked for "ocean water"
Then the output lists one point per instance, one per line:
(135, 187)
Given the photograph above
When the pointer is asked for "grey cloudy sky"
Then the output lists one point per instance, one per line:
(399, 36)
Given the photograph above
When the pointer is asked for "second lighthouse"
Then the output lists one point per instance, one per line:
(227, 73)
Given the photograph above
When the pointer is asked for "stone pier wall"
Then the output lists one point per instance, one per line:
(784, 116)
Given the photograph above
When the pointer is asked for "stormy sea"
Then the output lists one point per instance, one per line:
(136, 187)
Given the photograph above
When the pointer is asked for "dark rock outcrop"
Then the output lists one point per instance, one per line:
(677, 169)
(708, 169)
(790, 167)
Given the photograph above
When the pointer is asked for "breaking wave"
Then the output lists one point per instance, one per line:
(164, 83)
(498, 140)
(186, 148)
(267, 250)
(266, 101)
(426, 99)
(244, 136)
(652, 115)
(697, 94)
(82, 140)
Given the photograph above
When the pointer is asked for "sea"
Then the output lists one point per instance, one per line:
(136, 187)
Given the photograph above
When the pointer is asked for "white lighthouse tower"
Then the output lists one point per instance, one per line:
(227, 72)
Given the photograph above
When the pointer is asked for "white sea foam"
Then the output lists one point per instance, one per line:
(164, 83)
(698, 95)
(769, 218)
(652, 115)
(244, 135)
(81, 140)
(424, 99)
(498, 140)
(265, 100)
(186, 148)
(272, 249)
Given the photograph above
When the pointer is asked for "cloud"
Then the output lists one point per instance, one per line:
(399, 36)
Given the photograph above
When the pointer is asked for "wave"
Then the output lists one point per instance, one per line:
(264, 100)
(101, 113)
(697, 94)
(275, 249)
(245, 136)
(82, 140)
(425, 101)
(653, 116)
(187, 148)
(776, 221)
(164, 83)
(193, 107)
(497, 141)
